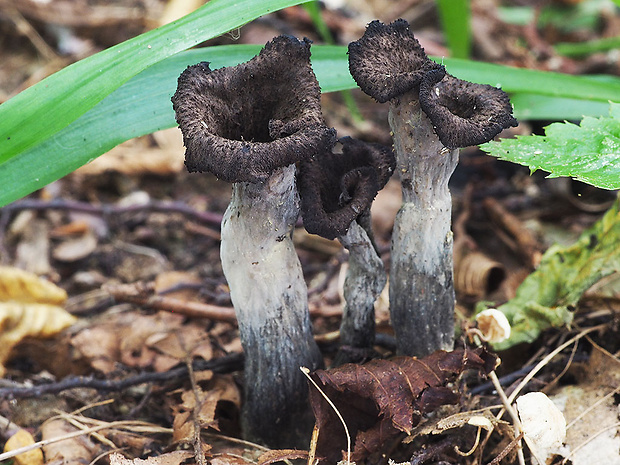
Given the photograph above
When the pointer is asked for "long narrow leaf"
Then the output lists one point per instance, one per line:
(43, 109)
(142, 105)
(455, 18)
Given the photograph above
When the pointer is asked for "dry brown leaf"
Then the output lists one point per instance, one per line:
(135, 157)
(383, 398)
(217, 389)
(29, 307)
(23, 286)
(273, 456)
(75, 249)
(22, 439)
(159, 341)
(168, 279)
(99, 345)
(171, 458)
(74, 450)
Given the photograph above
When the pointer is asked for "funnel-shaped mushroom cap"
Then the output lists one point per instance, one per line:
(336, 188)
(243, 122)
(388, 60)
(464, 113)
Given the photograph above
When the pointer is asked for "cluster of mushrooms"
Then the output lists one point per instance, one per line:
(259, 126)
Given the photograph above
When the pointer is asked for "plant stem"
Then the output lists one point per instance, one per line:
(270, 298)
(421, 275)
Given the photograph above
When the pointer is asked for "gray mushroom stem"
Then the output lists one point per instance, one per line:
(421, 283)
(363, 283)
(270, 298)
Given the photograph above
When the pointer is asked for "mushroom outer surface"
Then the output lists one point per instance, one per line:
(336, 188)
(243, 122)
(388, 60)
(464, 113)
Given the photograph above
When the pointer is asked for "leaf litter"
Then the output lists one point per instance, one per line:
(112, 342)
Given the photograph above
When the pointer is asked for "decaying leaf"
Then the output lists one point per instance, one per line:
(171, 458)
(29, 307)
(22, 286)
(544, 299)
(80, 449)
(484, 419)
(382, 398)
(21, 439)
(216, 389)
(544, 425)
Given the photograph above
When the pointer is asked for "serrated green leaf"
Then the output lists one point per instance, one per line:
(589, 152)
(544, 298)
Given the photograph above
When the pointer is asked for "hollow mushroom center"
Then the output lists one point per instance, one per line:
(464, 106)
(255, 116)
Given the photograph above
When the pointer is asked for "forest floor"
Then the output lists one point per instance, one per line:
(130, 369)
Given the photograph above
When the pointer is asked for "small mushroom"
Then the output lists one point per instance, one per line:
(431, 115)
(249, 125)
(336, 191)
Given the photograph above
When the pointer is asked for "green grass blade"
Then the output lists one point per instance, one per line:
(455, 20)
(529, 81)
(142, 105)
(571, 49)
(45, 108)
(541, 107)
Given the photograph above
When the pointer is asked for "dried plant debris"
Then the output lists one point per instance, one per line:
(29, 307)
(384, 398)
(546, 296)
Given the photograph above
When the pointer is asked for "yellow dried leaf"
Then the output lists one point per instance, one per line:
(19, 320)
(23, 286)
(22, 439)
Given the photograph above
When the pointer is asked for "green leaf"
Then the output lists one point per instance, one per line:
(589, 152)
(455, 19)
(576, 49)
(142, 105)
(545, 297)
(43, 109)
(535, 106)
(534, 82)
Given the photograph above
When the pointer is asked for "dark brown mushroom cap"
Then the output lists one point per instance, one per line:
(336, 188)
(464, 113)
(388, 60)
(243, 122)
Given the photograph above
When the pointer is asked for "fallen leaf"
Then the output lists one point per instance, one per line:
(22, 439)
(80, 449)
(29, 307)
(544, 425)
(75, 249)
(273, 456)
(171, 458)
(220, 388)
(23, 286)
(546, 296)
(382, 398)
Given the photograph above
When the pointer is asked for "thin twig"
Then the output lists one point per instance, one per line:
(75, 434)
(507, 450)
(546, 360)
(511, 411)
(225, 364)
(306, 372)
(106, 209)
(590, 439)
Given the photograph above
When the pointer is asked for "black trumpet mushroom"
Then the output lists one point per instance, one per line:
(431, 114)
(336, 192)
(249, 125)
